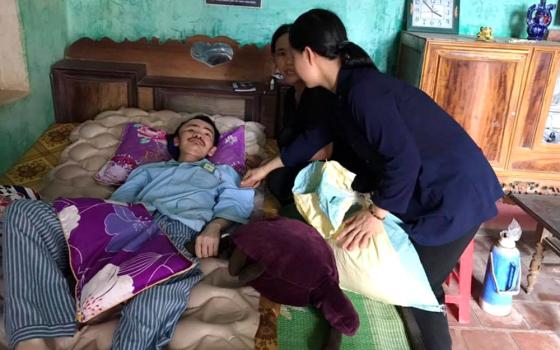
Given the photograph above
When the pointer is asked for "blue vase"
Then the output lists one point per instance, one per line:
(539, 18)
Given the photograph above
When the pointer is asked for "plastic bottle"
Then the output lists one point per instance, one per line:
(503, 273)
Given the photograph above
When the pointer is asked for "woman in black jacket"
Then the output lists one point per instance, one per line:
(414, 159)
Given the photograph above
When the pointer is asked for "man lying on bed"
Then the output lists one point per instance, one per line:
(187, 195)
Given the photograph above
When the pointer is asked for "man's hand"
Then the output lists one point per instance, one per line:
(208, 241)
(359, 229)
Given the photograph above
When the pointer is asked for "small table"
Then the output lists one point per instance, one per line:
(546, 211)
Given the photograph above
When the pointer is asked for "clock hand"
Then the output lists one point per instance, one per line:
(430, 8)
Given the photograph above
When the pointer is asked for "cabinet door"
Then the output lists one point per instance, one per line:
(536, 148)
(480, 88)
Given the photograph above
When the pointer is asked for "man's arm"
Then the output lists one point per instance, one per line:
(208, 241)
(233, 204)
(129, 191)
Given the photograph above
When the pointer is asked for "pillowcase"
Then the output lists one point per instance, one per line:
(116, 251)
(231, 150)
(389, 267)
(139, 145)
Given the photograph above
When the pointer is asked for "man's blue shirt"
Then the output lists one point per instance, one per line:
(192, 193)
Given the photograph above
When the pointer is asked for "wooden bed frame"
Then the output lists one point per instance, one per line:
(101, 75)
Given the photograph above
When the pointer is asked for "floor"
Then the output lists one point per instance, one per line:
(534, 323)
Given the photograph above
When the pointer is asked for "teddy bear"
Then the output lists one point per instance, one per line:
(289, 262)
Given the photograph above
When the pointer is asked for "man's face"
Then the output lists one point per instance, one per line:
(196, 139)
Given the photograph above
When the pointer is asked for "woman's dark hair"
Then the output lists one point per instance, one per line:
(283, 29)
(324, 33)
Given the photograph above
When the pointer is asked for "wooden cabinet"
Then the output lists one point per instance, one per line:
(499, 92)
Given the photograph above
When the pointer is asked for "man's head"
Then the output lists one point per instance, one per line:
(196, 138)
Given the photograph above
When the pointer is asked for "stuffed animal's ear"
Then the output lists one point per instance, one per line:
(251, 272)
(237, 262)
(238, 266)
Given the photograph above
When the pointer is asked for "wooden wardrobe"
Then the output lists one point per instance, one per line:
(501, 92)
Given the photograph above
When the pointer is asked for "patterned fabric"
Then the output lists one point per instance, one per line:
(140, 144)
(130, 253)
(40, 158)
(380, 327)
(231, 149)
(9, 194)
(527, 187)
(267, 336)
(39, 303)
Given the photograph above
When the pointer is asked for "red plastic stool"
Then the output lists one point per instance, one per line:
(462, 273)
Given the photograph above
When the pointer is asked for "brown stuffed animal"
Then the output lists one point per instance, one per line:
(289, 262)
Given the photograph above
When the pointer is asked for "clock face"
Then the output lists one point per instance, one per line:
(432, 13)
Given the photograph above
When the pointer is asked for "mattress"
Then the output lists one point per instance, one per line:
(278, 326)
(208, 299)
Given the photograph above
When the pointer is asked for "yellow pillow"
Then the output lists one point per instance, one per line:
(388, 269)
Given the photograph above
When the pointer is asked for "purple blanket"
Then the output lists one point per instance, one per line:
(116, 251)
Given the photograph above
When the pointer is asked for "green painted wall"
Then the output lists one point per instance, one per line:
(373, 24)
(45, 36)
(50, 24)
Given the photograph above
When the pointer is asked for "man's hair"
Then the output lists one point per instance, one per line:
(204, 119)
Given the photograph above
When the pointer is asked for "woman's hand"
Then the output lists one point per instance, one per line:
(359, 229)
(208, 241)
(254, 177)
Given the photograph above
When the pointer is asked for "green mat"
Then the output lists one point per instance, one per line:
(380, 328)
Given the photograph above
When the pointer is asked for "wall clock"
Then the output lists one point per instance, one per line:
(439, 16)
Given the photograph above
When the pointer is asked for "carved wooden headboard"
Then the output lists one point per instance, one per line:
(101, 75)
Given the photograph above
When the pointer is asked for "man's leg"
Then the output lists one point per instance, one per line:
(438, 262)
(149, 319)
(39, 303)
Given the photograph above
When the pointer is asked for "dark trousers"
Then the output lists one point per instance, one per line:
(280, 183)
(438, 262)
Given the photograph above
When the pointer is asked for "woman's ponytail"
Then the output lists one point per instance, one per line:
(353, 56)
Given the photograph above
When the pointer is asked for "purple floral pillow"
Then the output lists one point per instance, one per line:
(140, 144)
(231, 149)
(116, 251)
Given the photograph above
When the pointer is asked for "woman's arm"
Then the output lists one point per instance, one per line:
(390, 138)
(254, 177)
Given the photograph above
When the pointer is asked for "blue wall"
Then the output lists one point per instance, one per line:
(49, 25)
(373, 24)
(45, 37)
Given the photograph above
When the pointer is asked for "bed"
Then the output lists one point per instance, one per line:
(162, 81)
